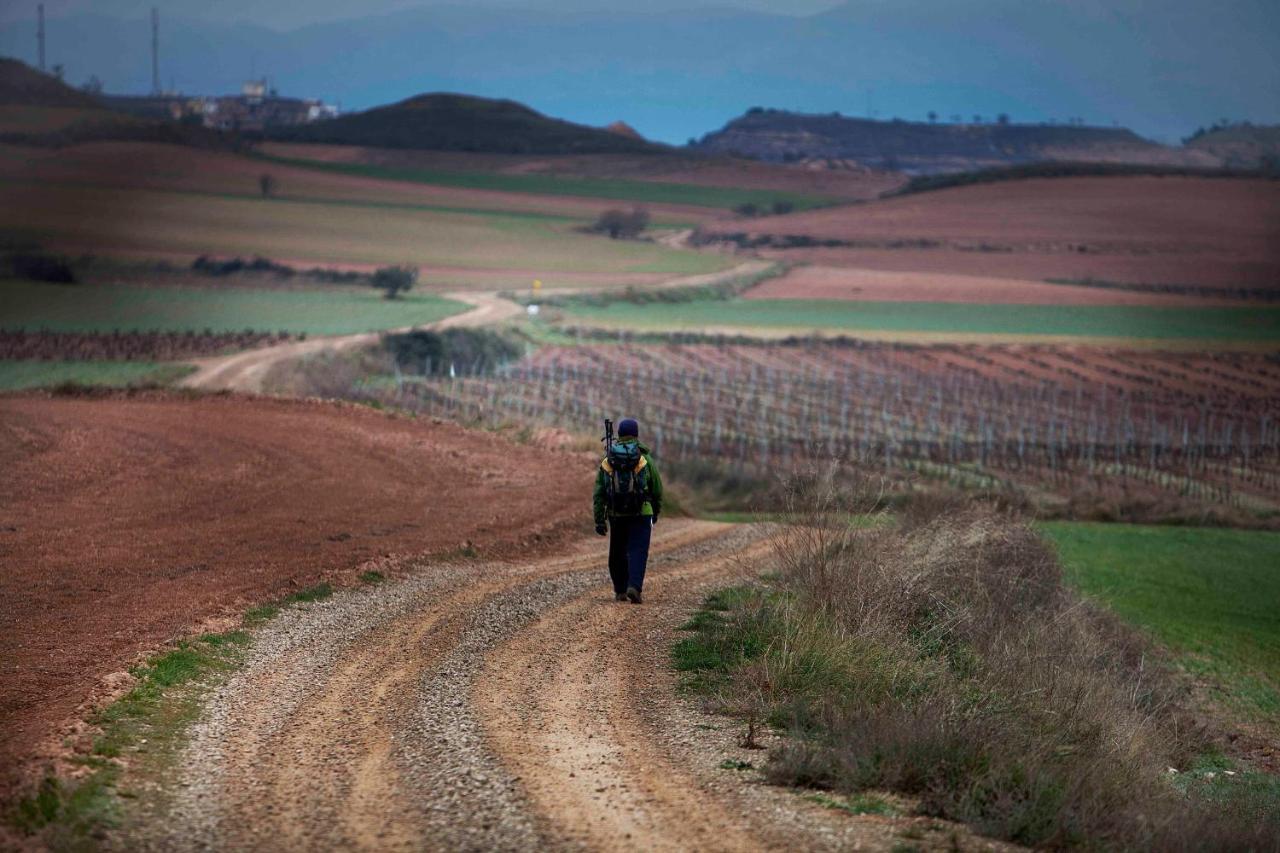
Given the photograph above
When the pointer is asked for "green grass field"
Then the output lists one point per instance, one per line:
(1093, 321)
(337, 311)
(1211, 595)
(624, 190)
(17, 375)
(150, 222)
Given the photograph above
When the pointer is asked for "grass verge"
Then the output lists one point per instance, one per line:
(143, 729)
(146, 722)
(20, 375)
(261, 613)
(945, 659)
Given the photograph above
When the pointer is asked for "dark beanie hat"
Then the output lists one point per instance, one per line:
(628, 426)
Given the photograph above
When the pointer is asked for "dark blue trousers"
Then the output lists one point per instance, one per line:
(628, 551)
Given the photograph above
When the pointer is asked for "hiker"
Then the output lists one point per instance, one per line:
(627, 503)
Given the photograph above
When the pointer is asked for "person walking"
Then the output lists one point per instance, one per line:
(627, 502)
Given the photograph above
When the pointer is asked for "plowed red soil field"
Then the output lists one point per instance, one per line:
(1201, 231)
(127, 521)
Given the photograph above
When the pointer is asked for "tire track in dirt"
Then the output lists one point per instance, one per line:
(558, 704)
(584, 709)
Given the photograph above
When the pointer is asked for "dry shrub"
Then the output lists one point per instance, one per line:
(943, 657)
(338, 375)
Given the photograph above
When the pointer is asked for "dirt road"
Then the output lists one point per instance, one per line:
(494, 706)
(245, 371)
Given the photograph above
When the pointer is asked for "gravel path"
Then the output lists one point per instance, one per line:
(485, 706)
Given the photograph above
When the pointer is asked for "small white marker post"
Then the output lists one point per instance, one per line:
(532, 308)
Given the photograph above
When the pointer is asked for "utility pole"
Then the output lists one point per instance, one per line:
(40, 32)
(155, 51)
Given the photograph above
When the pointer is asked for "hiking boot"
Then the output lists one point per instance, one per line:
(633, 595)
(619, 596)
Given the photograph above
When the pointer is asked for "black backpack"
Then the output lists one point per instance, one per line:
(628, 478)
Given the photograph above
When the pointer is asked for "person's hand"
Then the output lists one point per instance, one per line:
(601, 529)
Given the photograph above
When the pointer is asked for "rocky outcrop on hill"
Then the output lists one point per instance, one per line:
(621, 128)
(1240, 146)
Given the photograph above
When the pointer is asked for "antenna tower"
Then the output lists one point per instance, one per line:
(155, 51)
(40, 32)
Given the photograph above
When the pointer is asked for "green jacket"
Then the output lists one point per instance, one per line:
(600, 498)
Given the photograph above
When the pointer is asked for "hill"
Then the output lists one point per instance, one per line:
(924, 148)
(1241, 146)
(20, 84)
(449, 122)
(39, 109)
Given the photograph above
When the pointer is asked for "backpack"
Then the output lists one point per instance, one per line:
(628, 478)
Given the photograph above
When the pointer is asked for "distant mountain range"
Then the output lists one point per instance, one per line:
(674, 70)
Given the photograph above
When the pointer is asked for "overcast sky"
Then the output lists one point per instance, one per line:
(285, 14)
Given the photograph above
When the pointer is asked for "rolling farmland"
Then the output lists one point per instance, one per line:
(946, 320)
(750, 180)
(1198, 427)
(41, 307)
(1207, 593)
(620, 189)
(85, 218)
(143, 165)
(1209, 232)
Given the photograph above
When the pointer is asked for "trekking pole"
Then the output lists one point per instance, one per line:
(608, 446)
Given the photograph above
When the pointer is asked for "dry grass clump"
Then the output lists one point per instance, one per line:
(941, 656)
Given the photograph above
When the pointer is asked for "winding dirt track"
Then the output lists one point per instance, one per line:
(246, 371)
(486, 706)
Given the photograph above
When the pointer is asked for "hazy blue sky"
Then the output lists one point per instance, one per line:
(292, 13)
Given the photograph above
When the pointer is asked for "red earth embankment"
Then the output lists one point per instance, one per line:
(128, 521)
